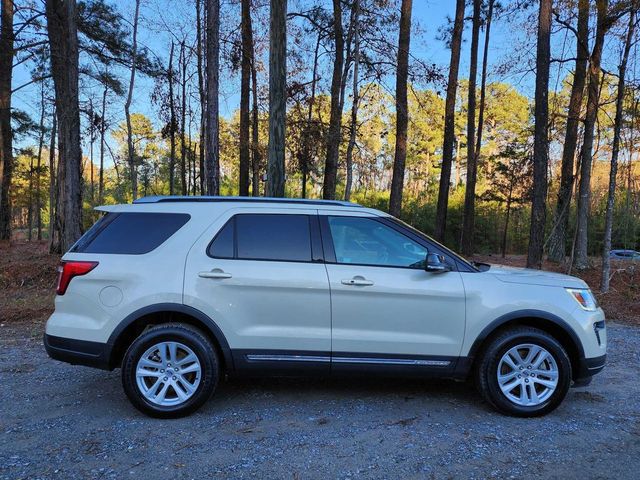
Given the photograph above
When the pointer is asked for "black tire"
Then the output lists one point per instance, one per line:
(188, 336)
(487, 371)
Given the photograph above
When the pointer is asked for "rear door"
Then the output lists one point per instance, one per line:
(387, 311)
(258, 274)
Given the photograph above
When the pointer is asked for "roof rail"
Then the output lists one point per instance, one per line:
(184, 198)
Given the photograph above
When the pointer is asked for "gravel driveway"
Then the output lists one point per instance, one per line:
(60, 421)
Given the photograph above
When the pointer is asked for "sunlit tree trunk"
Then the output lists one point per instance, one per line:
(183, 118)
(468, 222)
(103, 129)
(39, 172)
(255, 128)
(245, 89)
(277, 97)
(558, 236)
(617, 125)
(355, 101)
(38, 205)
(483, 81)
(201, 93)
(581, 260)
(305, 151)
(7, 38)
(402, 109)
(541, 138)
(335, 118)
(172, 124)
(54, 245)
(63, 41)
(449, 123)
(127, 106)
(212, 124)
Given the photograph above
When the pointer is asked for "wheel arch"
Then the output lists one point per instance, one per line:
(136, 322)
(545, 321)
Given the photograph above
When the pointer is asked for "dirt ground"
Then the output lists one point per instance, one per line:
(61, 421)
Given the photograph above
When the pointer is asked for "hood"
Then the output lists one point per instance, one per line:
(527, 276)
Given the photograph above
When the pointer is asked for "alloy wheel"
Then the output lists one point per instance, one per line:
(168, 373)
(528, 375)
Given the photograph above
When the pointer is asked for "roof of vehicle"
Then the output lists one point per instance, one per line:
(184, 198)
(205, 205)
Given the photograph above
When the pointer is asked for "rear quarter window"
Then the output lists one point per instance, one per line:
(130, 233)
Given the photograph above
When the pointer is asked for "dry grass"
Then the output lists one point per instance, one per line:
(27, 282)
(28, 278)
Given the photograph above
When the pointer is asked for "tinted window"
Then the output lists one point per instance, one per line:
(273, 237)
(130, 233)
(365, 241)
(222, 245)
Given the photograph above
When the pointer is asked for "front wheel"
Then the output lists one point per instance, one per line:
(170, 370)
(524, 372)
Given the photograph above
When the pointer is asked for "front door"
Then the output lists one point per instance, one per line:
(386, 309)
(260, 277)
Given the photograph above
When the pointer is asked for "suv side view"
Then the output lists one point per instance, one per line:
(181, 291)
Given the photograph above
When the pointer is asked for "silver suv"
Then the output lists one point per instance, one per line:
(181, 291)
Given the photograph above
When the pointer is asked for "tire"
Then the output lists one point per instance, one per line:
(166, 389)
(501, 385)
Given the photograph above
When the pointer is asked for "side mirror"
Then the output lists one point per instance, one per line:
(436, 263)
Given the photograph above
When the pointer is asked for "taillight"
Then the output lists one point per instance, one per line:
(70, 269)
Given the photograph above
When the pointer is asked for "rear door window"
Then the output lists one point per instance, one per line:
(130, 233)
(276, 237)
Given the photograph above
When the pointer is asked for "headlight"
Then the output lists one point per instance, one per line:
(584, 297)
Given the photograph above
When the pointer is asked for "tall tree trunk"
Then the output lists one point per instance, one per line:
(449, 123)
(356, 100)
(306, 140)
(255, 131)
(172, 124)
(30, 200)
(7, 38)
(558, 236)
(617, 125)
(277, 97)
(103, 129)
(183, 119)
(402, 109)
(201, 93)
(483, 81)
(506, 222)
(63, 40)
(54, 239)
(212, 124)
(127, 106)
(581, 259)
(39, 165)
(541, 138)
(468, 221)
(335, 117)
(91, 142)
(38, 205)
(245, 88)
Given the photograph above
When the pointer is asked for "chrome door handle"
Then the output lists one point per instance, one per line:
(215, 273)
(357, 281)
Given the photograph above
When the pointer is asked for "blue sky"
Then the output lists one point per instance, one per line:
(430, 15)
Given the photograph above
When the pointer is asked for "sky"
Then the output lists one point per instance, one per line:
(428, 17)
(429, 14)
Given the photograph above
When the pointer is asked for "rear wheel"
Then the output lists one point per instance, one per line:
(170, 371)
(524, 372)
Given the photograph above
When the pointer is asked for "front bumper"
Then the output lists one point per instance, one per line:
(78, 352)
(587, 368)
